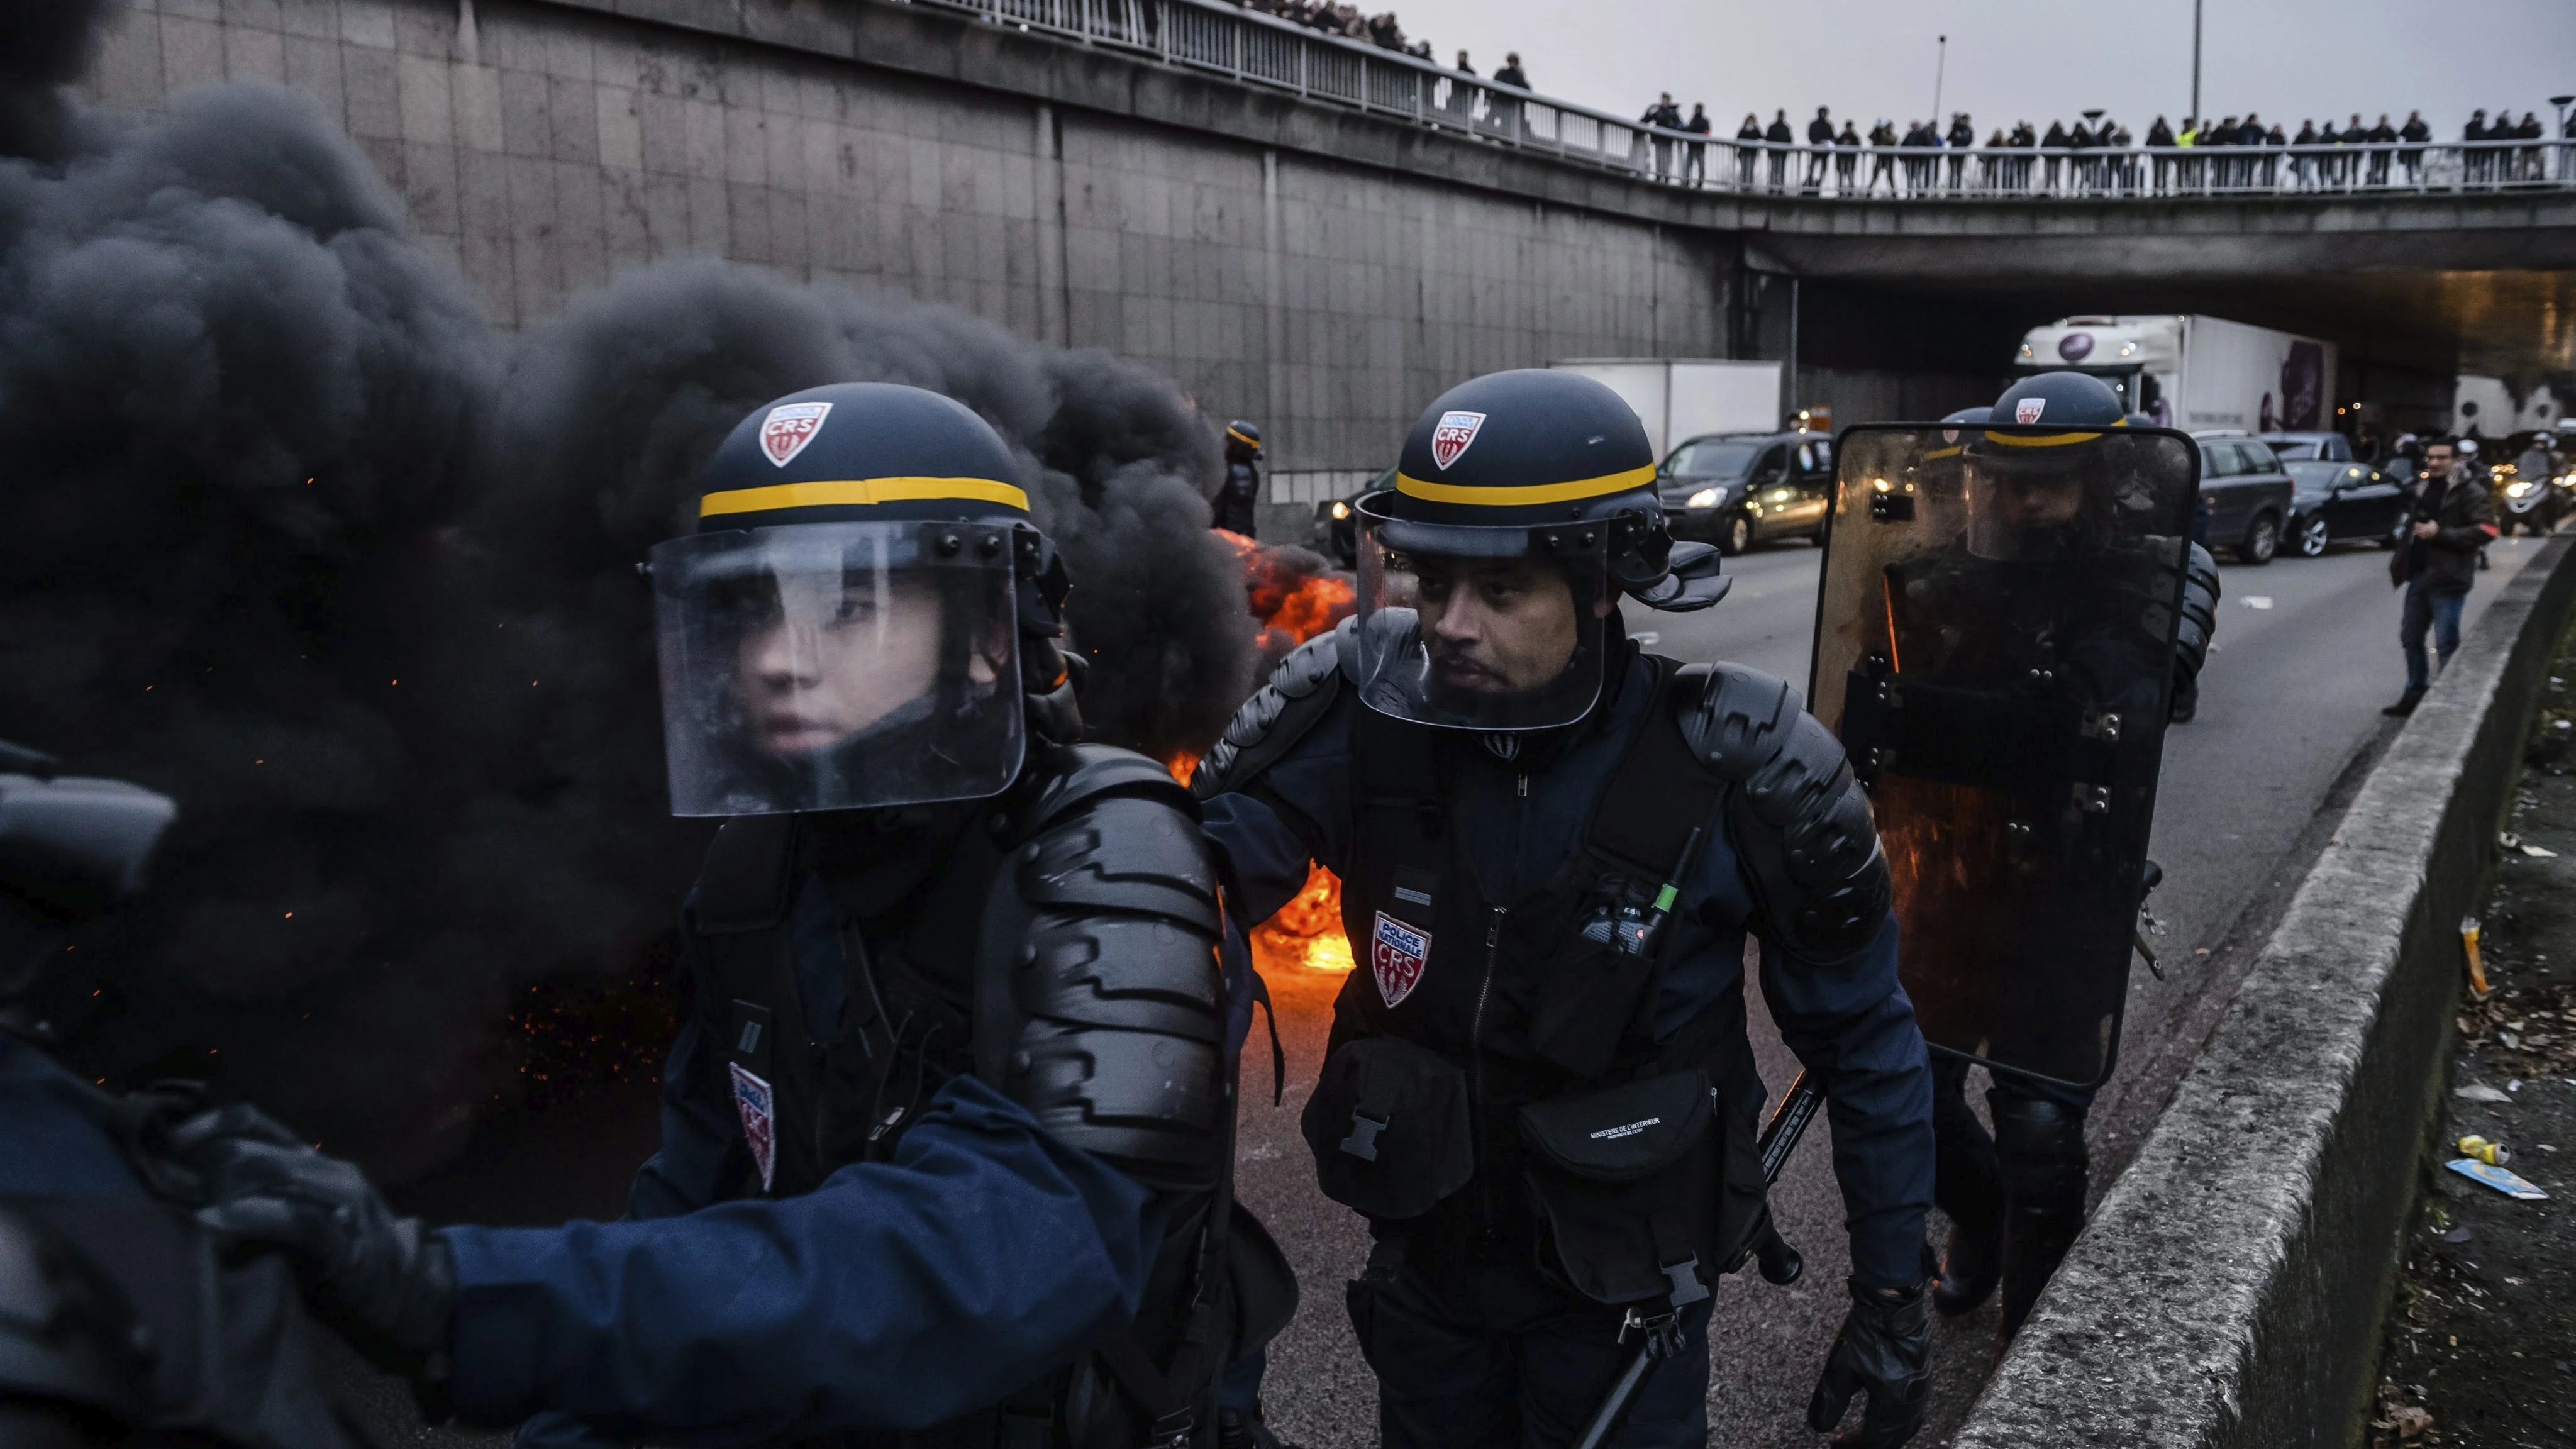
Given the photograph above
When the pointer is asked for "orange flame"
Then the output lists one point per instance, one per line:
(1293, 607)
(1306, 935)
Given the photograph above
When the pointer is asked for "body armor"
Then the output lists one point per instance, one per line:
(1060, 942)
(123, 1322)
(1494, 1084)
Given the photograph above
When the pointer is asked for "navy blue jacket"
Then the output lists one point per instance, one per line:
(897, 1295)
(51, 1143)
(1849, 1023)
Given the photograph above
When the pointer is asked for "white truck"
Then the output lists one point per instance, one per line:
(2195, 373)
(1683, 398)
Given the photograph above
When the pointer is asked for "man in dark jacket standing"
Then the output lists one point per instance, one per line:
(1781, 138)
(2453, 518)
(1820, 138)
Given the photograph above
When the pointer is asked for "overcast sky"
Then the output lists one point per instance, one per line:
(2023, 59)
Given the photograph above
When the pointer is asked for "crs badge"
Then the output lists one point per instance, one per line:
(759, 1108)
(1451, 437)
(2028, 409)
(789, 427)
(1397, 954)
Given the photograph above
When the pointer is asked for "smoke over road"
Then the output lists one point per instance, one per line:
(294, 536)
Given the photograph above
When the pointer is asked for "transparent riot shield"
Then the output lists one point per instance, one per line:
(1994, 645)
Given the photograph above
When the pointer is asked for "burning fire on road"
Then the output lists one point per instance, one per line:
(1296, 597)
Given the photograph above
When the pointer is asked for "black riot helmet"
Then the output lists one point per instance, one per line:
(2042, 488)
(1524, 504)
(1242, 442)
(845, 629)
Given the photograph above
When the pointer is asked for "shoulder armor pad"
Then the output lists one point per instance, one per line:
(747, 876)
(1077, 775)
(1278, 715)
(1796, 815)
(1100, 1003)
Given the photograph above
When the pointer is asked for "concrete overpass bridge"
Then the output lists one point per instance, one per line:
(1321, 234)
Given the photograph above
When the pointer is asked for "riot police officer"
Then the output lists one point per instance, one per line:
(1553, 848)
(121, 1320)
(1234, 510)
(2030, 614)
(924, 880)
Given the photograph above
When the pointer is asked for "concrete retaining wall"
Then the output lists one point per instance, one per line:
(2229, 1290)
(1328, 289)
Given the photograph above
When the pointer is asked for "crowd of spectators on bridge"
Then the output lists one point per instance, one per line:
(2098, 155)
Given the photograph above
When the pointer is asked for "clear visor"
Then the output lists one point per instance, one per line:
(837, 666)
(1479, 628)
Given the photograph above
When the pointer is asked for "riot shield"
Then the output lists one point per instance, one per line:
(1994, 646)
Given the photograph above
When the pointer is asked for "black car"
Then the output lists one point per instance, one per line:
(1337, 521)
(2244, 496)
(2333, 502)
(1739, 489)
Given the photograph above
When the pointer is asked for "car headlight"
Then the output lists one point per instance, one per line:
(2516, 490)
(1341, 510)
(1706, 497)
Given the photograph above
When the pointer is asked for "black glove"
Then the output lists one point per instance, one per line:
(1886, 1348)
(385, 1282)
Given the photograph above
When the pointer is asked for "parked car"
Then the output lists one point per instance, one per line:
(2334, 503)
(2244, 496)
(2305, 447)
(1740, 489)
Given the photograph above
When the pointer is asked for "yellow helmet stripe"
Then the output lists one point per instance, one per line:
(1526, 493)
(1240, 438)
(860, 491)
(2050, 440)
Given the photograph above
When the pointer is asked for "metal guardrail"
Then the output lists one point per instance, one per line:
(1262, 50)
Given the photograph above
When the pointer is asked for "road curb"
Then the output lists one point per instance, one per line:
(2228, 1291)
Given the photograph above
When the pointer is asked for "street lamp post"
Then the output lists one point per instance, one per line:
(2195, 62)
(1940, 63)
(2562, 102)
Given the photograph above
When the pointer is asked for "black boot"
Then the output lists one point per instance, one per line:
(1967, 1188)
(2405, 704)
(2040, 1146)
(1970, 1268)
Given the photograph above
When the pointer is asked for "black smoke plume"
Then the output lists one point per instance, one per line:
(296, 538)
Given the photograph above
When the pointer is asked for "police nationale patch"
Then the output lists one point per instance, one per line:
(2028, 409)
(759, 1108)
(1451, 437)
(789, 427)
(1397, 954)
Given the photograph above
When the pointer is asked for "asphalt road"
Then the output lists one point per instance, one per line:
(2306, 657)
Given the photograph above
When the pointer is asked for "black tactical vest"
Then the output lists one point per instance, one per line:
(1493, 1075)
(1058, 941)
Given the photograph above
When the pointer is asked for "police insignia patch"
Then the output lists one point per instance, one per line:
(2028, 409)
(789, 427)
(1397, 954)
(1451, 437)
(758, 1106)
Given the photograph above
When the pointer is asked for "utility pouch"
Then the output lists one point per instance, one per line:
(1625, 1180)
(1389, 1128)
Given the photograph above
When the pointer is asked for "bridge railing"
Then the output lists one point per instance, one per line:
(1264, 51)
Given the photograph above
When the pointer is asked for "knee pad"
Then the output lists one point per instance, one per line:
(2040, 1146)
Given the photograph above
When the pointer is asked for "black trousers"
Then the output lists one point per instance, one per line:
(1491, 1356)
